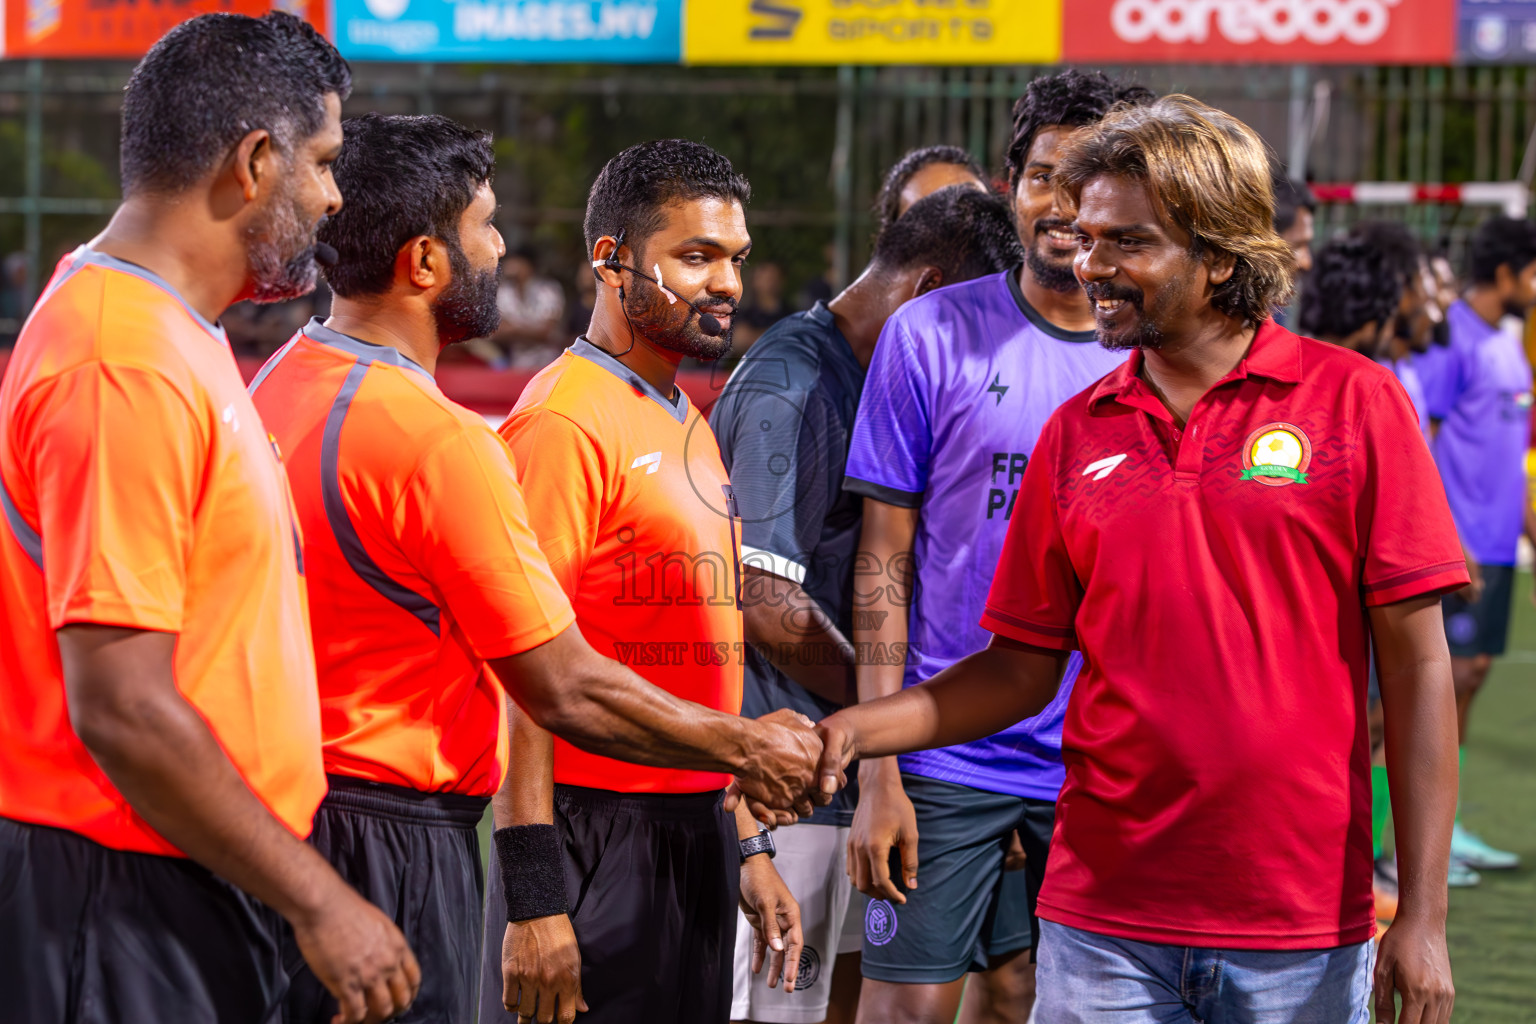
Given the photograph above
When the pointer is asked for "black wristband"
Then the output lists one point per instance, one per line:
(532, 871)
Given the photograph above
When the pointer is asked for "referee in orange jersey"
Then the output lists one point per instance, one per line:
(630, 501)
(159, 734)
(427, 586)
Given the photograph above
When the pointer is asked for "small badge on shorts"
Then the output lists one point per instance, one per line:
(810, 969)
(1277, 454)
(880, 922)
(1461, 628)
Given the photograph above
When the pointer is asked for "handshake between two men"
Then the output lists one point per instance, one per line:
(796, 764)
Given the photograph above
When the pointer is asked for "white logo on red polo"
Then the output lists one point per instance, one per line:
(1277, 22)
(1104, 467)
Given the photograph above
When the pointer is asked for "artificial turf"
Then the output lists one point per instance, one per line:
(1492, 928)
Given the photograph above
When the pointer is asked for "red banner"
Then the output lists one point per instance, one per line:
(1260, 31)
(120, 28)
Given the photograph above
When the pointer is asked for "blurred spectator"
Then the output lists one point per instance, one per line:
(763, 306)
(823, 286)
(1447, 285)
(13, 296)
(261, 329)
(532, 309)
(1294, 208)
(923, 172)
(579, 316)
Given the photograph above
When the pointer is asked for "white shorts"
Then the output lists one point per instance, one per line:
(812, 860)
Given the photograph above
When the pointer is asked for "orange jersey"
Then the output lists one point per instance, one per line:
(420, 562)
(633, 507)
(140, 490)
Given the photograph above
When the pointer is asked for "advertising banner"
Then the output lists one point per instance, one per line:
(119, 28)
(1499, 31)
(601, 31)
(873, 31)
(1261, 31)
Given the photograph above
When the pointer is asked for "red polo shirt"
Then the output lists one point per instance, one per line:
(1216, 580)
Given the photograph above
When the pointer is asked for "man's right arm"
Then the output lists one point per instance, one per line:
(601, 706)
(159, 753)
(979, 695)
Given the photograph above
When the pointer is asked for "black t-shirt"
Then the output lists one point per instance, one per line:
(784, 421)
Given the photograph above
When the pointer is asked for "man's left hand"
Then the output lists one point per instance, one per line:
(775, 919)
(1413, 963)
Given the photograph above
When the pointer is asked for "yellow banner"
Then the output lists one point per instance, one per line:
(872, 31)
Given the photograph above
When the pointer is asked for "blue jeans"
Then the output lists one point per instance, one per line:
(1088, 978)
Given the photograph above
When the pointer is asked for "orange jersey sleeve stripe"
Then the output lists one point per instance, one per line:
(139, 490)
(421, 564)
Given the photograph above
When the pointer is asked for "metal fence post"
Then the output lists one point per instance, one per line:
(842, 175)
(32, 213)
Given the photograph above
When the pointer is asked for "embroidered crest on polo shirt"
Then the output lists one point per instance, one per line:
(1277, 454)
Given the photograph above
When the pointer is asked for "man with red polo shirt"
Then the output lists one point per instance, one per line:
(1221, 527)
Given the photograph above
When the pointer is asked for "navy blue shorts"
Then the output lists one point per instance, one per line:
(415, 856)
(653, 881)
(1481, 628)
(91, 935)
(966, 911)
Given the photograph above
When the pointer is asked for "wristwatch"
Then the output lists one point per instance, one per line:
(760, 843)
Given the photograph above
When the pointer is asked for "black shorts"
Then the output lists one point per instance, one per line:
(1481, 628)
(415, 856)
(653, 882)
(966, 911)
(90, 935)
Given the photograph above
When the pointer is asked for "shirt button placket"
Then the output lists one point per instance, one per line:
(1191, 452)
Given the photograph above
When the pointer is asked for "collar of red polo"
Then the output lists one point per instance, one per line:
(1274, 353)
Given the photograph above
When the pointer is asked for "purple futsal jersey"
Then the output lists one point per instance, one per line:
(1480, 389)
(1406, 370)
(962, 381)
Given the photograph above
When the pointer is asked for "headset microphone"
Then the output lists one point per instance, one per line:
(708, 322)
(326, 255)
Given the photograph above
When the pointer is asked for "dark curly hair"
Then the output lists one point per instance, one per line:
(1291, 197)
(963, 232)
(631, 189)
(1073, 98)
(1207, 172)
(901, 172)
(212, 80)
(1500, 242)
(1397, 246)
(1353, 283)
(400, 176)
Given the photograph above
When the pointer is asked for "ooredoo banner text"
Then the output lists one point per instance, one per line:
(1260, 31)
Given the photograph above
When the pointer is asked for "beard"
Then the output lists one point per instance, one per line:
(280, 251)
(467, 307)
(675, 327)
(1142, 331)
(1049, 271)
